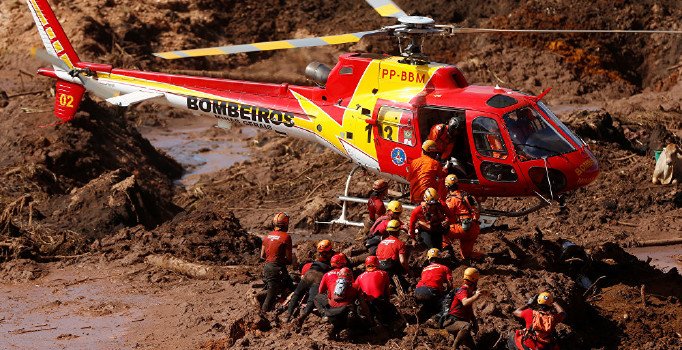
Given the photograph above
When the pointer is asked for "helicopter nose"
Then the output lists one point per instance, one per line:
(587, 169)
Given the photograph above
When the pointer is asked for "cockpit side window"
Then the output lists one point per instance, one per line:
(487, 138)
(533, 137)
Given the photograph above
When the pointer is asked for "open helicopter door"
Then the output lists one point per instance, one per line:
(395, 139)
(492, 159)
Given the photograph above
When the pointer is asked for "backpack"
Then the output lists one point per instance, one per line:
(341, 288)
(541, 327)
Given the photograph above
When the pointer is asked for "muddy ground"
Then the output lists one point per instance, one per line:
(83, 206)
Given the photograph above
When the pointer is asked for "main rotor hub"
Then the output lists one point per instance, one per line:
(417, 21)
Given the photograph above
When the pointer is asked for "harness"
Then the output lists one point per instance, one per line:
(532, 334)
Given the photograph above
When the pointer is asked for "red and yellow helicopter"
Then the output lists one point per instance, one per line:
(374, 109)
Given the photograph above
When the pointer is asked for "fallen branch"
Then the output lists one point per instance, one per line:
(22, 331)
(625, 158)
(659, 242)
(187, 268)
(626, 224)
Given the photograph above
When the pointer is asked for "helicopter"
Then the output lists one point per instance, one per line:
(374, 109)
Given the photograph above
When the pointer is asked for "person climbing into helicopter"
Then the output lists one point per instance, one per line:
(444, 136)
(461, 320)
(378, 230)
(309, 285)
(276, 250)
(426, 172)
(464, 214)
(436, 280)
(541, 315)
(392, 254)
(429, 220)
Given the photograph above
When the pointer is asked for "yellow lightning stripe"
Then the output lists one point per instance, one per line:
(330, 129)
(273, 45)
(66, 60)
(50, 33)
(42, 18)
(340, 39)
(57, 46)
(388, 10)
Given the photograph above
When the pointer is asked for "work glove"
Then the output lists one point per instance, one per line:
(466, 224)
(532, 300)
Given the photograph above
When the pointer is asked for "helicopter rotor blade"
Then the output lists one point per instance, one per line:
(268, 45)
(386, 8)
(457, 30)
(90, 84)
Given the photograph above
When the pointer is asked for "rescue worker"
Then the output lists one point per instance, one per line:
(461, 320)
(426, 172)
(541, 315)
(328, 281)
(373, 285)
(375, 203)
(436, 280)
(276, 250)
(429, 220)
(378, 230)
(464, 213)
(309, 285)
(392, 254)
(444, 137)
(338, 305)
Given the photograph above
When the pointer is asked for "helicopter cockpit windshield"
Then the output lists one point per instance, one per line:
(532, 136)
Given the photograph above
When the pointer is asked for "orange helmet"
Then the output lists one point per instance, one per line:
(371, 263)
(429, 146)
(339, 260)
(380, 185)
(281, 220)
(324, 245)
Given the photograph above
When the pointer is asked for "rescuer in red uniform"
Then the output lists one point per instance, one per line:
(461, 320)
(445, 142)
(328, 281)
(464, 215)
(375, 203)
(378, 230)
(426, 172)
(373, 285)
(436, 280)
(429, 220)
(338, 305)
(392, 254)
(276, 250)
(541, 315)
(309, 285)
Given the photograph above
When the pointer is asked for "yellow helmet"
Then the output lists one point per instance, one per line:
(431, 195)
(432, 253)
(451, 180)
(395, 207)
(471, 274)
(393, 226)
(429, 146)
(545, 298)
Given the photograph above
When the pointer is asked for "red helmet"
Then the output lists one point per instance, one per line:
(345, 273)
(339, 260)
(281, 220)
(371, 263)
(380, 185)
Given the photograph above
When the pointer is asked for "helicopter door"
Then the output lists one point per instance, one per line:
(395, 139)
(494, 165)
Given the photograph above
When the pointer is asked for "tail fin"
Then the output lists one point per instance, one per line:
(51, 32)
